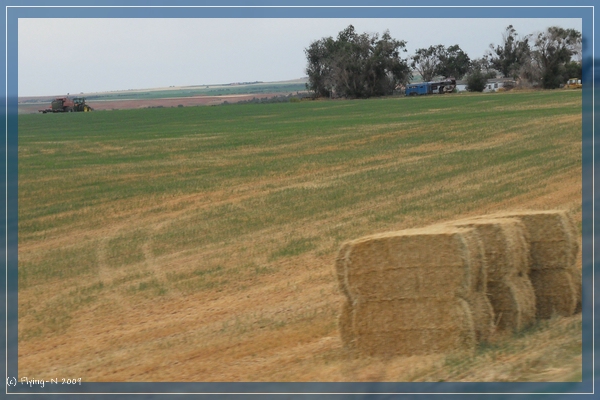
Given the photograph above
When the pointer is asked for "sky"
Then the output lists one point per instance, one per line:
(123, 54)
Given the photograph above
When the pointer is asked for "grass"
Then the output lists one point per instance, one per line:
(188, 218)
(294, 247)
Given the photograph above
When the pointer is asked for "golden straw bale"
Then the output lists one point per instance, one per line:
(553, 249)
(393, 328)
(393, 315)
(505, 246)
(437, 262)
(551, 225)
(554, 292)
(513, 300)
(552, 236)
(551, 255)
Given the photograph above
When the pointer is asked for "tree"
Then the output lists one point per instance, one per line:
(552, 51)
(483, 65)
(476, 80)
(356, 65)
(453, 62)
(510, 57)
(573, 69)
(426, 62)
(319, 69)
(439, 60)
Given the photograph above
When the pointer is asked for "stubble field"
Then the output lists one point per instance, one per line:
(198, 243)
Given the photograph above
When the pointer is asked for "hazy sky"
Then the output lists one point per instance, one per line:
(121, 54)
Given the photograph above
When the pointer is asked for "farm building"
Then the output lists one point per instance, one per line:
(492, 85)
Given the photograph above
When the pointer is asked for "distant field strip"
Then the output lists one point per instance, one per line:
(198, 207)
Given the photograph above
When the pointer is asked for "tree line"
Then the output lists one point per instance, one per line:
(360, 65)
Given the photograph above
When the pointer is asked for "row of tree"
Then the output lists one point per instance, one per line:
(364, 65)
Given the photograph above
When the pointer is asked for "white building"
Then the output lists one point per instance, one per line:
(492, 85)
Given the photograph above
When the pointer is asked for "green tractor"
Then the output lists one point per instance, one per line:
(79, 105)
(65, 104)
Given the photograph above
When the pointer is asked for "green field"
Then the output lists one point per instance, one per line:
(197, 207)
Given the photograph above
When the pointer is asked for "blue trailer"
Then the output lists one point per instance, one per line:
(414, 89)
(441, 87)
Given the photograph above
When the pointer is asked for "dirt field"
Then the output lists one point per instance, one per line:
(100, 105)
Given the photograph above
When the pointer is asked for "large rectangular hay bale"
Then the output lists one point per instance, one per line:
(513, 300)
(394, 315)
(554, 248)
(380, 331)
(554, 293)
(552, 237)
(551, 255)
(504, 243)
(408, 264)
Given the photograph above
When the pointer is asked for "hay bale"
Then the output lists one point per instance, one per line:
(554, 292)
(505, 245)
(552, 237)
(551, 255)
(401, 314)
(413, 327)
(438, 262)
(553, 247)
(513, 300)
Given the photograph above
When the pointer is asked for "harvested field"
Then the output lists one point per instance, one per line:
(199, 243)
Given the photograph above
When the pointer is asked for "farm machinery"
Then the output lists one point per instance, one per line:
(573, 83)
(65, 104)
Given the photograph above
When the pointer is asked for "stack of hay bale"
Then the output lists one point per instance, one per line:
(447, 287)
(553, 273)
(414, 292)
(507, 257)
